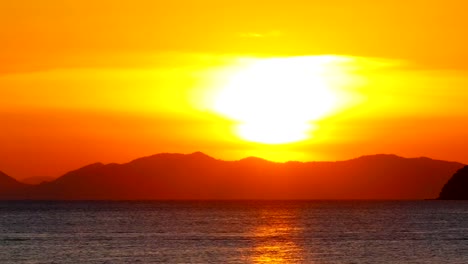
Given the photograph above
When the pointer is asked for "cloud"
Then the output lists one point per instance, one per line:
(270, 34)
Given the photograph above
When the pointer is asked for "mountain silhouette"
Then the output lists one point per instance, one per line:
(457, 187)
(36, 179)
(198, 176)
(10, 188)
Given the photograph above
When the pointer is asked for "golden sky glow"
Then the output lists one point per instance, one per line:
(86, 81)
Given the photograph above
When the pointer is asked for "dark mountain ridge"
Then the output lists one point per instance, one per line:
(36, 179)
(457, 186)
(10, 187)
(198, 176)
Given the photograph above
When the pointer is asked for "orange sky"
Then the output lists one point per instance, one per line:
(86, 81)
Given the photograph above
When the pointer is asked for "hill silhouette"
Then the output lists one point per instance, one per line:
(457, 187)
(199, 176)
(10, 188)
(36, 179)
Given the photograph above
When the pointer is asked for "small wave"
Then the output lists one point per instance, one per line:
(14, 239)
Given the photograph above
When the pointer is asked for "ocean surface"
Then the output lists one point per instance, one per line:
(234, 232)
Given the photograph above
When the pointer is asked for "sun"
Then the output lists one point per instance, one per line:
(277, 100)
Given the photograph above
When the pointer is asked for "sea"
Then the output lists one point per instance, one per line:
(315, 232)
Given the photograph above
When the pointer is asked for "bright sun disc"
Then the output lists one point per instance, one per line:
(276, 101)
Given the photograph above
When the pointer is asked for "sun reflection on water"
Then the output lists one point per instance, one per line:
(275, 239)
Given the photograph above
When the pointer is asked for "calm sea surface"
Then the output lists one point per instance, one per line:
(234, 232)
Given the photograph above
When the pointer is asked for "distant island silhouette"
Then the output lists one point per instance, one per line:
(36, 179)
(457, 187)
(198, 176)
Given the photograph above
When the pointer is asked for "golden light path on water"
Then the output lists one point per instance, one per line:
(275, 238)
(278, 100)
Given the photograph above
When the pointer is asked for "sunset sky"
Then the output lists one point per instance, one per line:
(85, 81)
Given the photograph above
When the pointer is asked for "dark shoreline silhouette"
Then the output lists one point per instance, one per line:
(197, 176)
(456, 187)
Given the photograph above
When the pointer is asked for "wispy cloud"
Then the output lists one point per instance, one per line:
(268, 34)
